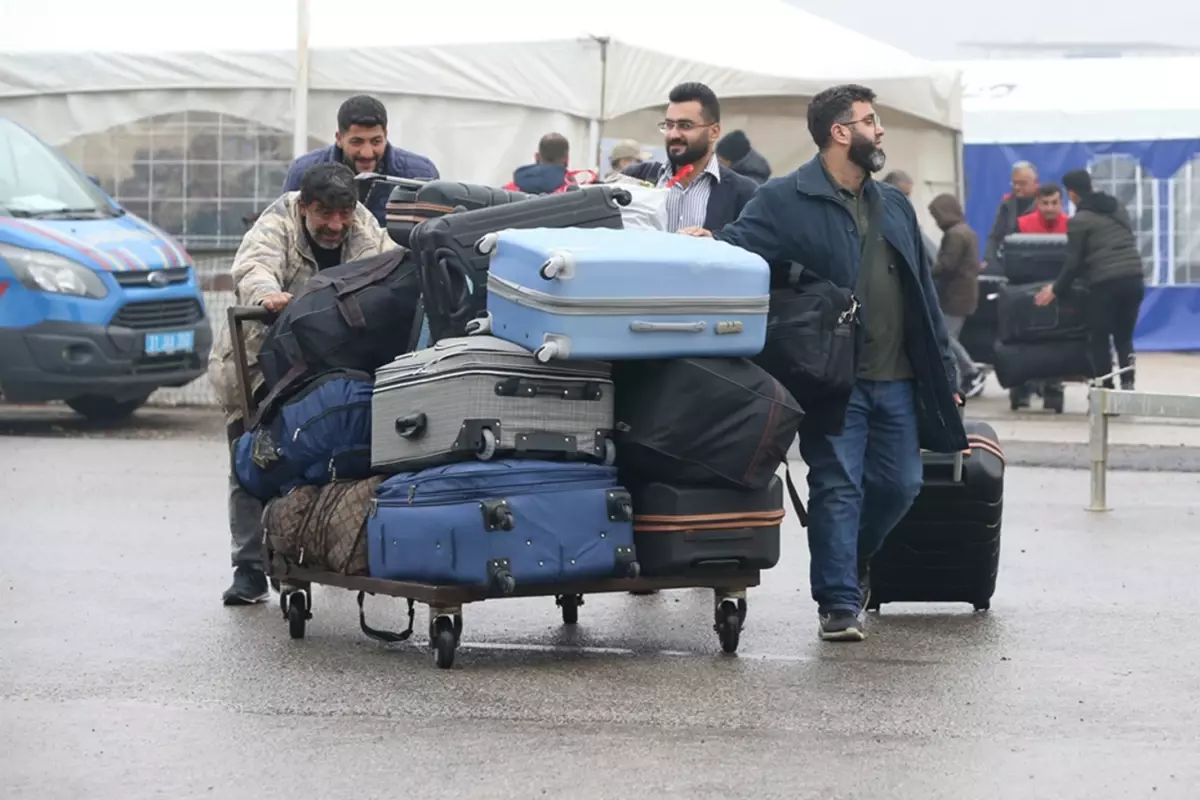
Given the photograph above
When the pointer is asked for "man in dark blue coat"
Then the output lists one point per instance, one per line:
(863, 454)
(362, 145)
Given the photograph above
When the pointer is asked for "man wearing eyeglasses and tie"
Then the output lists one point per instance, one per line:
(703, 194)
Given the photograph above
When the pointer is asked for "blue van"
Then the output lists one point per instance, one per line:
(97, 307)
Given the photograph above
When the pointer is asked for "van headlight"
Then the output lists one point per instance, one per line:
(41, 271)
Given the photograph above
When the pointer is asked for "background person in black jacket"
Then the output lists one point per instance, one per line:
(1102, 251)
(710, 195)
(1020, 202)
(734, 151)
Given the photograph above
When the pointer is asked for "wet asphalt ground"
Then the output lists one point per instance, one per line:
(122, 676)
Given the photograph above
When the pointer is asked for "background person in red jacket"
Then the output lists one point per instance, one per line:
(1048, 216)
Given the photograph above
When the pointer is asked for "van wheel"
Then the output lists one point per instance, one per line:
(106, 409)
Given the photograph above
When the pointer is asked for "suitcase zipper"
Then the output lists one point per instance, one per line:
(327, 412)
(612, 306)
(468, 494)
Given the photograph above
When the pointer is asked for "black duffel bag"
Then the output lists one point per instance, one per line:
(720, 422)
(811, 339)
(355, 316)
(1020, 363)
(1023, 320)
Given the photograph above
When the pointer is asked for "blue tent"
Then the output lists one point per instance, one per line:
(1134, 128)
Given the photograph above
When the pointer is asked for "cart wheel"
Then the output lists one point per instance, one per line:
(444, 643)
(610, 452)
(297, 614)
(982, 605)
(729, 626)
(569, 603)
(1054, 402)
(488, 448)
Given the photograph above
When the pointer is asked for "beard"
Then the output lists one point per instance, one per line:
(691, 153)
(866, 154)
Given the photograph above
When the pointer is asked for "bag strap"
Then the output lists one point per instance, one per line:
(385, 636)
(797, 503)
(294, 374)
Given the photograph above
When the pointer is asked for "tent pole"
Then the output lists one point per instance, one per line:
(594, 128)
(300, 90)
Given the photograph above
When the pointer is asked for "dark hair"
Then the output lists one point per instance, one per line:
(1078, 181)
(699, 93)
(363, 110)
(833, 106)
(897, 177)
(1049, 190)
(331, 184)
(554, 148)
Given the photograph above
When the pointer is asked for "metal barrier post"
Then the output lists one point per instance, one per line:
(1098, 446)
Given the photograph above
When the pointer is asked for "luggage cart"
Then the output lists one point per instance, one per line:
(294, 583)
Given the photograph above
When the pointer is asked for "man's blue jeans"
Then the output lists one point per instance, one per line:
(860, 484)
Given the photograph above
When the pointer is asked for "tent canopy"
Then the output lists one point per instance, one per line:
(542, 54)
(1080, 100)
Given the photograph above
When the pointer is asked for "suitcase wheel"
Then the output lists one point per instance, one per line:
(487, 244)
(487, 446)
(730, 614)
(546, 353)
(982, 605)
(610, 452)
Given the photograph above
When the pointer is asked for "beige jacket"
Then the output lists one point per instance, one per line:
(275, 257)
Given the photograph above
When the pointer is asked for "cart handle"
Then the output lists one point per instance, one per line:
(238, 315)
(411, 183)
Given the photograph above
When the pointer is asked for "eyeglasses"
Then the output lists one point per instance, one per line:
(871, 120)
(683, 125)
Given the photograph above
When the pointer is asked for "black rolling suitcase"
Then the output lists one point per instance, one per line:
(409, 206)
(1023, 320)
(453, 265)
(947, 548)
(689, 530)
(1034, 257)
(1023, 362)
(982, 329)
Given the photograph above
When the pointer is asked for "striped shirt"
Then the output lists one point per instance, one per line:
(687, 206)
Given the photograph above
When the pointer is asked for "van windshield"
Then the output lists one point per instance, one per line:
(35, 181)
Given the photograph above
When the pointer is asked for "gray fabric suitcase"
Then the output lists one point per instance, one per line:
(481, 397)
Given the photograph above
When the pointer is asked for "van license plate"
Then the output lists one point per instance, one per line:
(161, 344)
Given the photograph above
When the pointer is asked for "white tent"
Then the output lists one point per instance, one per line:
(471, 83)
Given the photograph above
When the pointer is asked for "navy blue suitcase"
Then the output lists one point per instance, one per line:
(503, 523)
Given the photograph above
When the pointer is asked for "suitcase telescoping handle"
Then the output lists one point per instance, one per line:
(410, 183)
(238, 316)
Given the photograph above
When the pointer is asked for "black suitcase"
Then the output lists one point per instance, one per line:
(1023, 362)
(453, 266)
(981, 330)
(947, 548)
(409, 206)
(680, 530)
(356, 316)
(1022, 320)
(722, 422)
(1034, 257)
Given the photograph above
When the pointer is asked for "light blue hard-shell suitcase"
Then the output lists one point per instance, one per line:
(623, 294)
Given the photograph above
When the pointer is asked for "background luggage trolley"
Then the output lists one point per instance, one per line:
(728, 579)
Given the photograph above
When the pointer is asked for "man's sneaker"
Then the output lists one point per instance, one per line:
(842, 626)
(249, 587)
(975, 384)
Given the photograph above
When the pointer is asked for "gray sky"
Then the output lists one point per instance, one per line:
(941, 29)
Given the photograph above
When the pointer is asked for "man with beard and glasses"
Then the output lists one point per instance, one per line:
(832, 221)
(361, 144)
(708, 194)
(319, 226)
